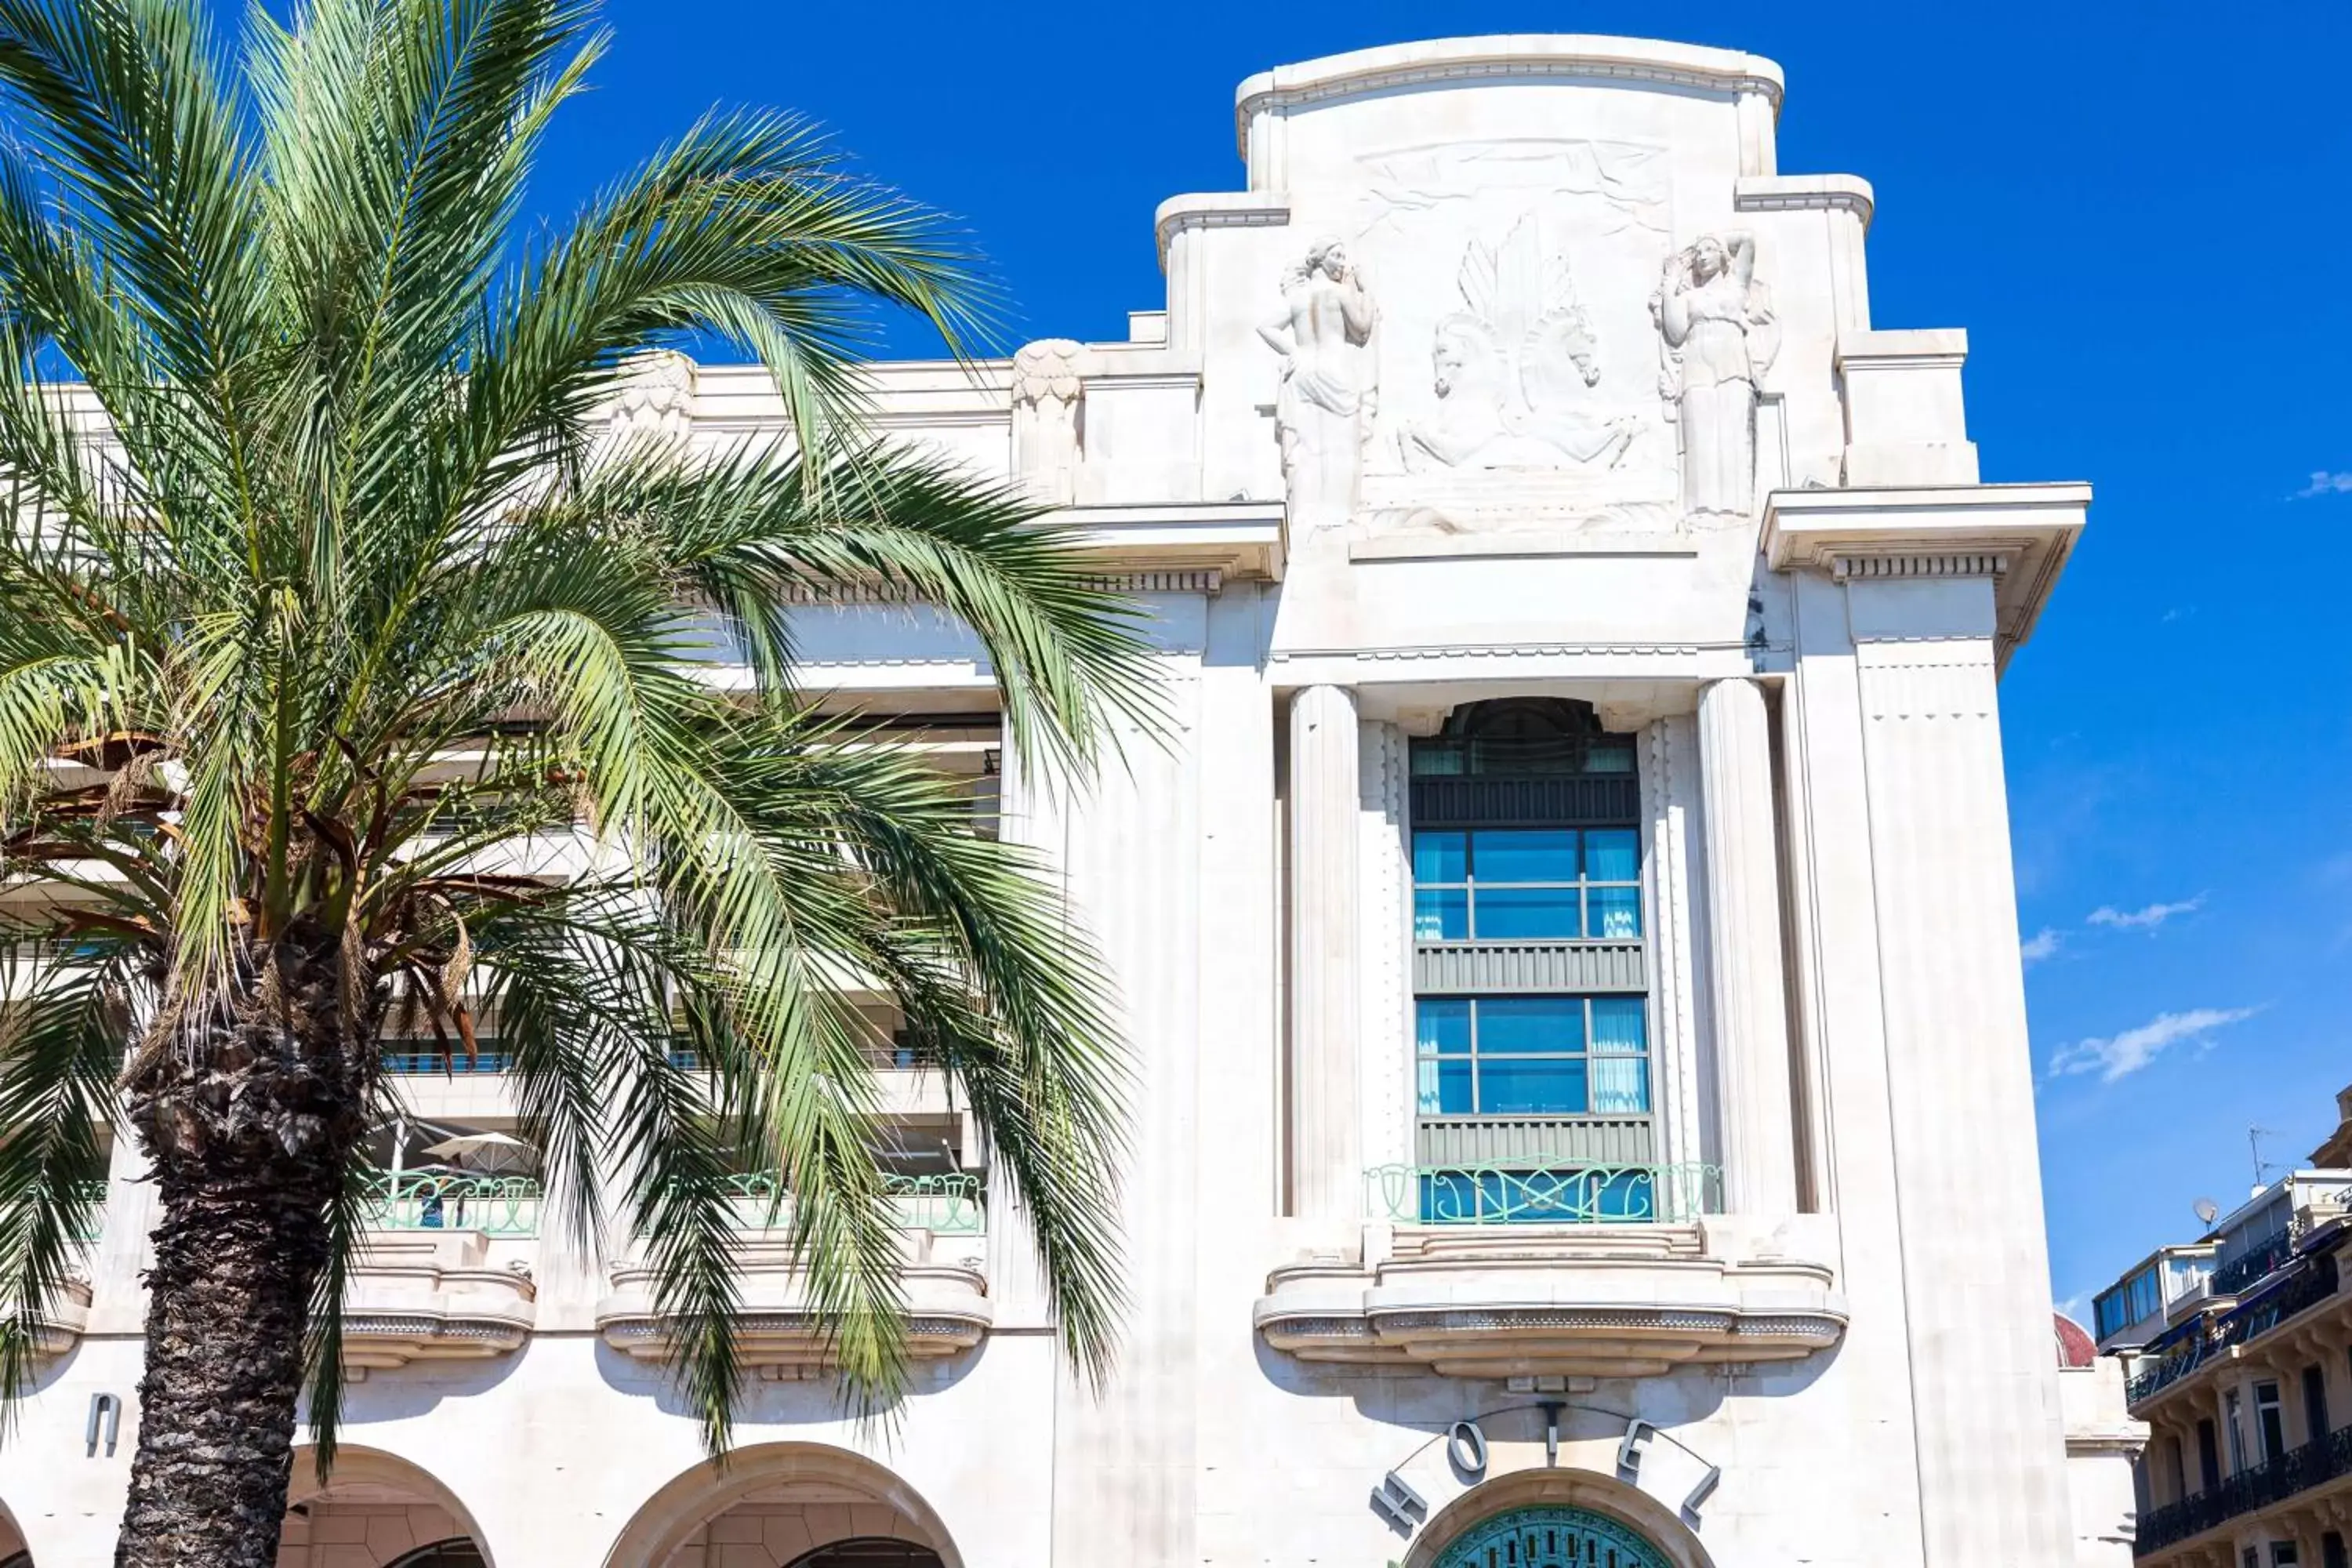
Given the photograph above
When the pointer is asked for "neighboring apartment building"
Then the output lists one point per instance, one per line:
(2239, 1351)
(1568, 943)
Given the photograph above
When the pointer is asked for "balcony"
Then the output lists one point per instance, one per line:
(2289, 1475)
(429, 1283)
(1584, 1272)
(943, 1242)
(2306, 1283)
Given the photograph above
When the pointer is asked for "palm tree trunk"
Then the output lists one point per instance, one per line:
(247, 1136)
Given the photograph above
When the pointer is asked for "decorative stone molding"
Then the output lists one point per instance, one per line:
(655, 399)
(1805, 193)
(1048, 384)
(1905, 419)
(1515, 57)
(948, 1310)
(433, 1296)
(1237, 209)
(1941, 528)
(1576, 1301)
(61, 1323)
(1201, 582)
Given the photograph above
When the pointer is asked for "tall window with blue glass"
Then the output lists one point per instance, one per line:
(1532, 1063)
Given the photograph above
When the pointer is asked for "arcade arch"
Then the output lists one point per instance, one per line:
(786, 1505)
(12, 1544)
(1642, 1531)
(376, 1510)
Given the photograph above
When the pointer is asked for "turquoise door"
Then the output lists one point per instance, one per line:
(1552, 1538)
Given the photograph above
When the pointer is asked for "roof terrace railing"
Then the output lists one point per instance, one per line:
(2202, 1339)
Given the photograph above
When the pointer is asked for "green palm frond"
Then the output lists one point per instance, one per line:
(328, 599)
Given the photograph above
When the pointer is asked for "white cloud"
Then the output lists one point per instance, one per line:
(2119, 1056)
(2043, 944)
(2323, 483)
(2146, 919)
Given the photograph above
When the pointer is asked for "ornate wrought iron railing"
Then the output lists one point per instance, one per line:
(947, 1205)
(2206, 1339)
(437, 1200)
(1547, 1192)
(2274, 1482)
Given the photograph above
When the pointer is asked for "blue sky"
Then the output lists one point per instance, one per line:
(2137, 211)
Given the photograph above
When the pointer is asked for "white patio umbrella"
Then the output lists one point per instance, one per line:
(488, 1152)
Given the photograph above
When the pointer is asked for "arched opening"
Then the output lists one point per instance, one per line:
(871, 1551)
(12, 1544)
(1556, 1518)
(458, 1554)
(1551, 1537)
(376, 1510)
(786, 1505)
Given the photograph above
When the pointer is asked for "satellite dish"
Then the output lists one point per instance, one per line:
(2208, 1211)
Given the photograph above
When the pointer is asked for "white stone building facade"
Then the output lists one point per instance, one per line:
(1567, 939)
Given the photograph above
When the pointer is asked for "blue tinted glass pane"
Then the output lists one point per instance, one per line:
(1440, 914)
(1515, 1026)
(1439, 856)
(1445, 1087)
(1622, 1196)
(1443, 1026)
(1613, 855)
(1619, 1026)
(1505, 913)
(1604, 758)
(1548, 855)
(1620, 1086)
(1520, 1086)
(1456, 1197)
(1614, 912)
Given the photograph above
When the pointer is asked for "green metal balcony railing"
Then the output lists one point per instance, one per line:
(91, 1222)
(1544, 1192)
(434, 1200)
(944, 1204)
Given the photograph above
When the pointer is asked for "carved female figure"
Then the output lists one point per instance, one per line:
(1323, 411)
(1720, 335)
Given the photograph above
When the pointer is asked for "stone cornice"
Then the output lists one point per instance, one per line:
(1805, 193)
(2020, 536)
(1230, 209)
(1521, 57)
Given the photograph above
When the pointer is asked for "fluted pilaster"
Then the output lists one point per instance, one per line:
(1325, 1124)
(1746, 983)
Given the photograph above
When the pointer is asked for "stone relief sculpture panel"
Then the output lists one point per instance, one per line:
(1330, 386)
(1512, 367)
(1719, 335)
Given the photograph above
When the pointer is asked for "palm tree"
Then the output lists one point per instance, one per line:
(326, 582)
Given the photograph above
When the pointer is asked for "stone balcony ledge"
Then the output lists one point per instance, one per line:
(1599, 1300)
(779, 1333)
(432, 1294)
(63, 1321)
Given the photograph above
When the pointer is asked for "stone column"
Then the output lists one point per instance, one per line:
(1746, 979)
(1327, 1173)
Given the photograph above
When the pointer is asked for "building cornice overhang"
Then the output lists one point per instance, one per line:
(2020, 536)
(1241, 540)
(1519, 55)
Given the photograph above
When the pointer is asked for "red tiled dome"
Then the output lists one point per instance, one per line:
(2075, 1346)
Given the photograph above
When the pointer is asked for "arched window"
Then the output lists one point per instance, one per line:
(1550, 1538)
(459, 1551)
(870, 1552)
